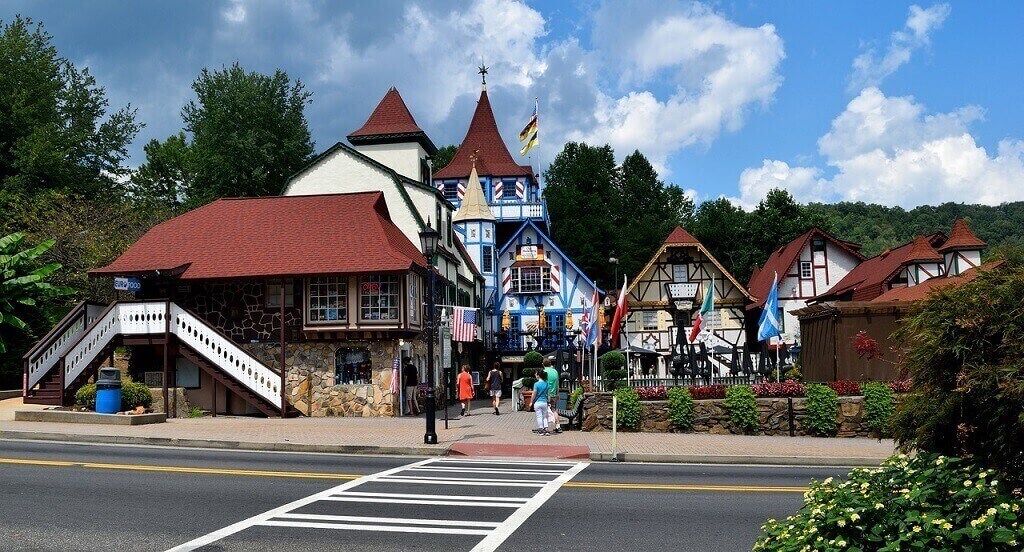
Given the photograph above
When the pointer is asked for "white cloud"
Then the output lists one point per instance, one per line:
(234, 12)
(888, 150)
(871, 70)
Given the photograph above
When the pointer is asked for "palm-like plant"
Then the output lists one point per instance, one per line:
(22, 284)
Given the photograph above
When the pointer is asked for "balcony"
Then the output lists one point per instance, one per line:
(519, 210)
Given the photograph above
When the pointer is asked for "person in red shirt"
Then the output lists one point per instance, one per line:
(465, 387)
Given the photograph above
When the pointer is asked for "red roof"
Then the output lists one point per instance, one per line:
(274, 236)
(680, 236)
(922, 251)
(782, 259)
(921, 291)
(868, 279)
(961, 237)
(492, 157)
(391, 116)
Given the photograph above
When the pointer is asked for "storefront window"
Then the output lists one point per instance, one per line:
(379, 297)
(352, 366)
(328, 300)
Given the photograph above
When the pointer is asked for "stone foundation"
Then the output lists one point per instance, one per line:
(178, 399)
(710, 416)
(310, 382)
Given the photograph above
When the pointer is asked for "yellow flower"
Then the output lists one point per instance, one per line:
(841, 543)
(854, 517)
(968, 483)
(947, 526)
(879, 506)
(990, 511)
(841, 523)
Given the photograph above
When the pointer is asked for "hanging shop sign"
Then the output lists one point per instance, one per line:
(127, 284)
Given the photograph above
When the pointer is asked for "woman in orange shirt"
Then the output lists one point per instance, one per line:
(465, 386)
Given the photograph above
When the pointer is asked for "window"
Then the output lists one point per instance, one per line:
(449, 229)
(679, 273)
(379, 297)
(328, 300)
(818, 245)
(451, 192)
(487, 254)
(649, 320)
(274, 294)
(352, 366)
(530, 279)
(414, 299)
(437, 222)
(805, 269)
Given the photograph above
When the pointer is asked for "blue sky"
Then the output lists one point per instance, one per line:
(895, 103)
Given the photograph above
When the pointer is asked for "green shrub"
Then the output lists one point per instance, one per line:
(628, 412)
(878, 407)
(533, 359)
(742, 407)
(927, 503)
(86, 396)
(529, 377)
(612, 371)
(793, 374)
(962, 349)
(195, 412)
(135, 394)
(822, 409)
(680, 407)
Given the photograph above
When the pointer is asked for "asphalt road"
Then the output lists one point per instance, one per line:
(59, 496)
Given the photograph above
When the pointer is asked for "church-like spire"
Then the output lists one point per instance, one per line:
(491, 155)
(391, 121)
(474, 203)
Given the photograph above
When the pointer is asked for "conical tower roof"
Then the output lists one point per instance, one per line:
(474, 204)
(390, 122)
(961, 237)
(483, 141)
(922, 251)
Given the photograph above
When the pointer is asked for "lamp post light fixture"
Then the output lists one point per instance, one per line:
(428, 239)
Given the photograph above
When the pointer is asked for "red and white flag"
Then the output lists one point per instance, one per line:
(621, 308)
(463, 324)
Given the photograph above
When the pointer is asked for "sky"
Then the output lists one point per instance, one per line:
(877, 101)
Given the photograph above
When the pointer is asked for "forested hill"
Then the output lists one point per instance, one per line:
(878, 227)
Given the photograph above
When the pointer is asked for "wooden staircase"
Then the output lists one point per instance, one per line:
(47, 392)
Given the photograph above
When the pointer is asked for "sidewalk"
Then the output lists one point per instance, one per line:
(405, 436)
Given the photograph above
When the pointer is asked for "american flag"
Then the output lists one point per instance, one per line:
(463, 324)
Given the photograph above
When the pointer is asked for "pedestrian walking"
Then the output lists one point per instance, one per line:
(412, 383)
(493, 386)
(540, 403)
(465, 386)
(552, 381)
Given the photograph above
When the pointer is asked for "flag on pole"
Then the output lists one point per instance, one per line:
(621, 308)
(463, 324)
(531, 127)
(594, 330)
(768, 325)
(701, 322)
(529, 144)
(395, 375)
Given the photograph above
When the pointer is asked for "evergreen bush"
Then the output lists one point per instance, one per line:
(878, 407)
(680, 408)
(86, 396)
(135, 394)
(629, 412)
(822, 409)
(612, 371)
(742, 407)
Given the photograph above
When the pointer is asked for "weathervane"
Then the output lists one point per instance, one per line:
(483, 72)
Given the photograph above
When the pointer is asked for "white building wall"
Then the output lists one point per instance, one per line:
(405, 158)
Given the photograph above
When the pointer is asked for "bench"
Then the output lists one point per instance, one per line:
(573, 414)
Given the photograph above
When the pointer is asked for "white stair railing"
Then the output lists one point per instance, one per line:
(148, 318)
(41, 361)
(228, 356)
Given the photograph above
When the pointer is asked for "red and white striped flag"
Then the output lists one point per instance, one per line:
(463, 324)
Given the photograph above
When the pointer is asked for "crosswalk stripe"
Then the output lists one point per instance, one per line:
(424, 501)
(389, 520)
(512, 471)
(441, 497)
(385, 528)
(473, 482)
(465, 479)
(502, 462)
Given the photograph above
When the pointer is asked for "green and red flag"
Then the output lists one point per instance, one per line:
(706, 307)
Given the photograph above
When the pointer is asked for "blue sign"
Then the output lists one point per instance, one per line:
(127, 284)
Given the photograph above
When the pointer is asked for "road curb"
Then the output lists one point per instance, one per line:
(853, 461)
(223, 445)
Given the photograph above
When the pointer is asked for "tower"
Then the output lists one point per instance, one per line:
(475, 225)
(962, 251)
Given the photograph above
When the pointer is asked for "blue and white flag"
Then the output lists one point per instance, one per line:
(593, 329)
(768, 326)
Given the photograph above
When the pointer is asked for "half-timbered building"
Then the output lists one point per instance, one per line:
(668, 292)
(806, 267)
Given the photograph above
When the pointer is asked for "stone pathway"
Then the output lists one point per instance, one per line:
(510, 428)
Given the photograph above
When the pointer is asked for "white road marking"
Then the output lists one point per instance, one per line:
(494, 533)
(503, 462)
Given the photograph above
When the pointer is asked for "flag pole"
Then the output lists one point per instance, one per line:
(625, 328)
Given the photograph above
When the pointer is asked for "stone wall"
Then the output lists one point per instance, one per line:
(311, 388)
(178, 399)
(710, 416)
(239, 309)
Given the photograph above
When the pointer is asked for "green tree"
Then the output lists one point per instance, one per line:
(720, 225)
(23, 284)
(166, 176)
(776, 221)
(249, 132)
(579, 187)
(647, 210)
(444, 155)
(55, 130)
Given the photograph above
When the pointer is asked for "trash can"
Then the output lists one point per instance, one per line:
(108, 391)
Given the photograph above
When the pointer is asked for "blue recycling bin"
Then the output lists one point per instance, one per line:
(108, 391)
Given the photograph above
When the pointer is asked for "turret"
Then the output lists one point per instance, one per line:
(922, 263)
(962, 251)
(391, 136)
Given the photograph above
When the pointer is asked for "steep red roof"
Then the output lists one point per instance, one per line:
(782, 259)
(961, 237)
(868, 279)
(922, 251)
(921, 291)
(274, 236)
(492, 157)
(680, 236)
(391, 119)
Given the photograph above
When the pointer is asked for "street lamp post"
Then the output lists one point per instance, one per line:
(428, 239)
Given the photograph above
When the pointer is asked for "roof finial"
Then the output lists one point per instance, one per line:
(473, 157)
(483, 73)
